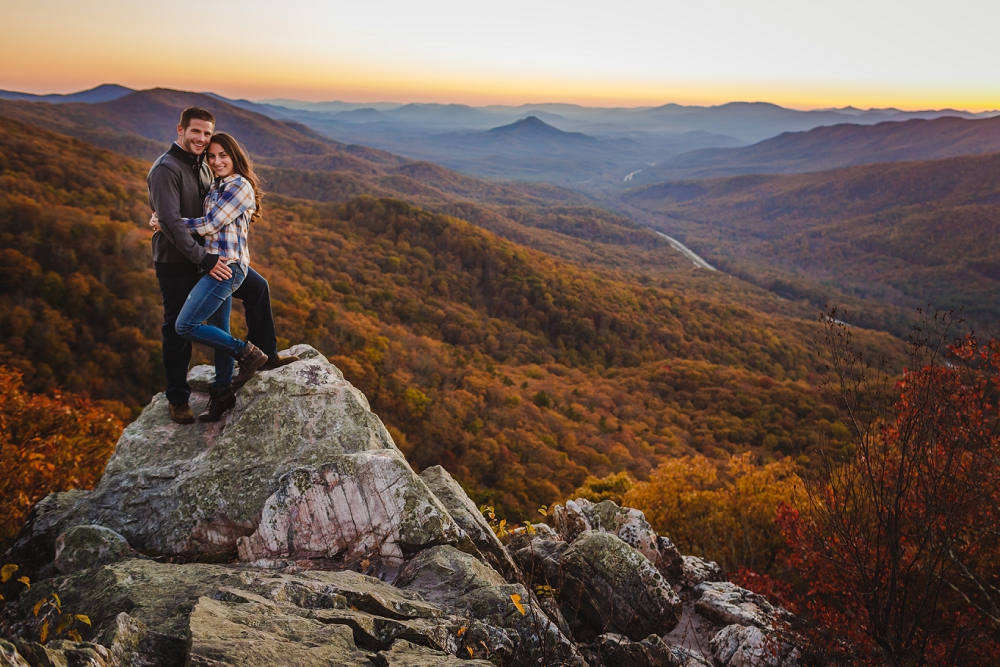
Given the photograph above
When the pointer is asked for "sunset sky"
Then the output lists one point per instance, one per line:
(801, 53)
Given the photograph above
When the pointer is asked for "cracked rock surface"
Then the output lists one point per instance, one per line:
(301, 454)
(294, 532)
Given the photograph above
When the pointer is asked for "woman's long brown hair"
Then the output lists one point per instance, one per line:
(241, 165)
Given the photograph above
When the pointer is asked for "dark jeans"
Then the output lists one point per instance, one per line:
(176, 282)
(256, 297)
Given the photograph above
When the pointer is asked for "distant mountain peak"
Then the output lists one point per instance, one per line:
(533, 124)
(105, 92)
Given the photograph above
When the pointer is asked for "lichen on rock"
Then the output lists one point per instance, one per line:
(295, 532)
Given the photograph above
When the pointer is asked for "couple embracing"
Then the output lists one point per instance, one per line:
(205, 194)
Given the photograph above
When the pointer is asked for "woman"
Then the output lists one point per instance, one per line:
(231, 205)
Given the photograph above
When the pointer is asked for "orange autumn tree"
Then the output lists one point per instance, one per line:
(727, 518)
(899, 549)
(47, 443)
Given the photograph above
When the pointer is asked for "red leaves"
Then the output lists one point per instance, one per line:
(47, 443)
(898, 554)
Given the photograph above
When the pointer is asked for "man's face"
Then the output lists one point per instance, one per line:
(195, 137)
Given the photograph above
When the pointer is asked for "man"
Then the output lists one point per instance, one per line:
(178, 182)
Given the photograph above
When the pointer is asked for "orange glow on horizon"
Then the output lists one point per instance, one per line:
(596, 53)
(372, 87)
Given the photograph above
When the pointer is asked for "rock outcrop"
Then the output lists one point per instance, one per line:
(301, 445)
(294, 532)
(629, 525)
(603, 585)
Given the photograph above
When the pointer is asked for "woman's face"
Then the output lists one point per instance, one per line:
(220, 161)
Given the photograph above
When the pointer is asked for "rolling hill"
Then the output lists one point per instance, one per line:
(840, 145)
(882, 239)
(102, 93)
(300, 163)
(521, 371)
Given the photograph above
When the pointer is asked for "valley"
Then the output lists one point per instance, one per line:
(518, 334)
(523, 334)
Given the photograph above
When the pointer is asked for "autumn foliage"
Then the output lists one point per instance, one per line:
(725, 515)
(897, 552)
(520, 371)
(47, 443)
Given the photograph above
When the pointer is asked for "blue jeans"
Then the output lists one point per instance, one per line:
(204, 319)
(176, 282)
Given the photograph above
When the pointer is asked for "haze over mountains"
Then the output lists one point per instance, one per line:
(483, 295)
(516, 333)
(880, 239)
(837, 146)
(643, 145)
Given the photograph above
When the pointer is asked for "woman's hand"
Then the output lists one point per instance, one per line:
(154, 222)
(221, 270)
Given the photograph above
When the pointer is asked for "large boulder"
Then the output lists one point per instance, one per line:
(301, 454)
(84, 547)
(603, 585)
(470, 519)
(750, 646)
(725, 603)
(696, 571)
(628, 524)
(505, 622)
(611, 650)
(255, 634)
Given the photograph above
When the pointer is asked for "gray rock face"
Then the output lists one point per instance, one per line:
(749, 646)
(237, 616)
(368, 505)
(728, 604)
(84, 547)
(501, 629)
(470, 519)
(61, 652)
(611, 650)
(405, 654)
(519, 538)
(630, 525)
(698, 570)
(687, 657)
(133, 644)
(301, 492)
(200, 378)
(287, 452)
(603, 586)
(9, 656)
(257, 634)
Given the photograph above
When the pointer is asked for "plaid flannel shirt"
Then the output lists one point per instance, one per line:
(228, 207)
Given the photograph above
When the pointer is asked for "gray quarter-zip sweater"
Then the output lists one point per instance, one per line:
(178, 182)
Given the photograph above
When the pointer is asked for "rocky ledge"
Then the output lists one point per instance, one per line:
(294, 532)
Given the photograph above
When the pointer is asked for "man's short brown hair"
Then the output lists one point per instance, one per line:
(196, 113)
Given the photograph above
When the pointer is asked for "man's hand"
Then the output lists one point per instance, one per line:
(154, 222)
(221, 270)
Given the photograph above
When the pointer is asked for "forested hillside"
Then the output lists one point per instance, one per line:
(520, 371)
(881, 239)
(840, 145)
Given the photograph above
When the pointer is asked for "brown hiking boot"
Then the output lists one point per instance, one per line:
(251, 359)
(181, 414)
(220, 399)
(278, 362)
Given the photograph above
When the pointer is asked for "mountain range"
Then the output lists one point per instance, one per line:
(648, 144)
(837, 146)
(517, 333)
(507, 328)
(881, 239)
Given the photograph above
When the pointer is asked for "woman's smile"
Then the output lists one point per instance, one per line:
(220, 161)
